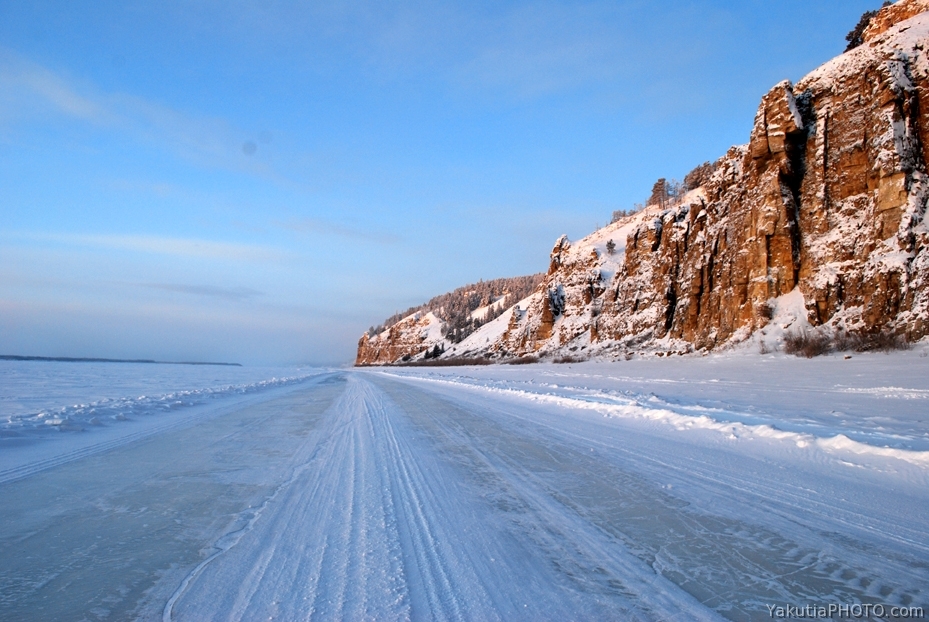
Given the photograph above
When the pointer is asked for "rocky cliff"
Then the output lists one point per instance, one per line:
(442, 322)
(825, 206)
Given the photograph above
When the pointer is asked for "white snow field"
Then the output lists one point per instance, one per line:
(665, 489)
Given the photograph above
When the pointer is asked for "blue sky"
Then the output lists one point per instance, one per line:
(260, 181)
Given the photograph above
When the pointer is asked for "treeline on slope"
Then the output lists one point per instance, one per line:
(666, 192)
(455, 307)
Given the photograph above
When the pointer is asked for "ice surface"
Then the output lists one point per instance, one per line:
(55, 412)
(671, 489)
(46, 396)
(112, 534)
(875, 399)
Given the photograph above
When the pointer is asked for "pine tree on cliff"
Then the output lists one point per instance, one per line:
(854, 37)
(659, 194)
(699, 176)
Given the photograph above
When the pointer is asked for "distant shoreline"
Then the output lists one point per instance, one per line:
(68, 359)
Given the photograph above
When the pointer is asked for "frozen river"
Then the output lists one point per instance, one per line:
(484, 494)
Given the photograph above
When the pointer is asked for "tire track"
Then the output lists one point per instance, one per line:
(780, 539)
(411, 495)
(319, 548)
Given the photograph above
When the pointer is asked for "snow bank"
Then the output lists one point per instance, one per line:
(108, 410)
(627, 408)
(869, 406)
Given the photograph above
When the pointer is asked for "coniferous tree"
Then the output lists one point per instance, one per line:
(854, 37)
(455, 308)
(659, 194)
(699, 176)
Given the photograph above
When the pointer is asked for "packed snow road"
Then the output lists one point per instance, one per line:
(366, 495)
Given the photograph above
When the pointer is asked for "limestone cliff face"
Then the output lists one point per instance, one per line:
(891, 15)
(409, 337)
(829, 196)
(828, 199)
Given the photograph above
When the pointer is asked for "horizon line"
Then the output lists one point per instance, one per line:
(70, 359)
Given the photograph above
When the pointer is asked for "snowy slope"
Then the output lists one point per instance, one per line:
(490, 333)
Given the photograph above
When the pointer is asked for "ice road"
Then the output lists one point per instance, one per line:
(392, 496)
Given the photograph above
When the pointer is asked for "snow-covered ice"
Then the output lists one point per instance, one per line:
(663, 489)
(54, 412)
(50, 396)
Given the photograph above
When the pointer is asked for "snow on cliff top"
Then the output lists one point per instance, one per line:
(904, 36)
(620, 230)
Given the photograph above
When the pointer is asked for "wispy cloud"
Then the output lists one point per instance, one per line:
(29, 90)
(22, 80)
(179, 247)
(210, 291)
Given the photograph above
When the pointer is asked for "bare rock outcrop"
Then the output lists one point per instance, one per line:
(891, 15)
(445, 320)
(411, 336)
(828, 199)
(829, 196)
